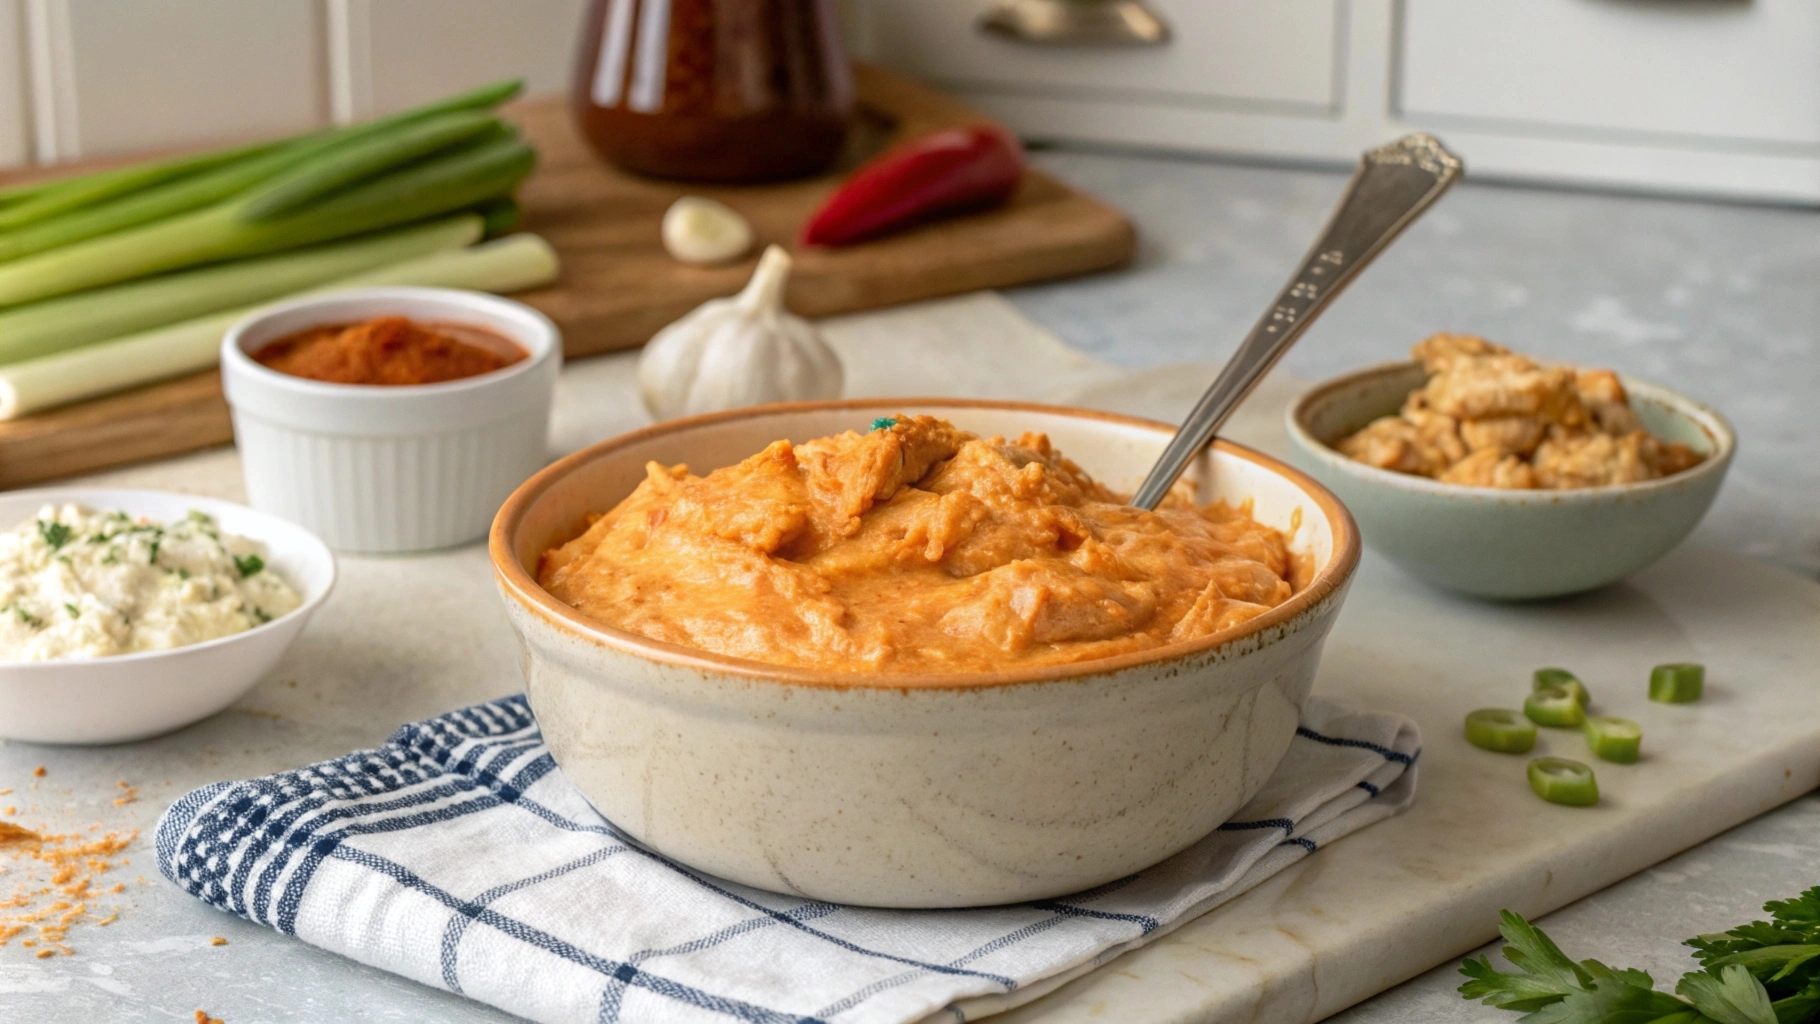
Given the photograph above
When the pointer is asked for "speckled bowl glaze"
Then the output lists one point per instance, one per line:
(917, 790)
(1507, 544)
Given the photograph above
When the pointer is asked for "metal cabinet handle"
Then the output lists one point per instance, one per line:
(1077, 23)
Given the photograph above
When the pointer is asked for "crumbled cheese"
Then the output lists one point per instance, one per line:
(75, 583)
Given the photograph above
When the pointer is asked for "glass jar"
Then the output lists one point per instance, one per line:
(714, 90)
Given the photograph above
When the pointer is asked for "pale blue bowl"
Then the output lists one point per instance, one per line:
(1501, 543)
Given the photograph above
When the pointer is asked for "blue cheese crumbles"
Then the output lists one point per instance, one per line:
(76, 583)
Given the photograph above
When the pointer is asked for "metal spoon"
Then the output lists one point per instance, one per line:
(1391, 188)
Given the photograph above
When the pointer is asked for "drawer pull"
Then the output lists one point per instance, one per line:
(1077, 23)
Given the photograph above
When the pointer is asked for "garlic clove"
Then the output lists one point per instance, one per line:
(738, 351)
(703, 231)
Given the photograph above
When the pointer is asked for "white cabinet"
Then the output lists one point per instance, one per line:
(1708, 97)
(392, 54)
(1280, 55)
(111, 77)
(15, 124)
(1744, 75)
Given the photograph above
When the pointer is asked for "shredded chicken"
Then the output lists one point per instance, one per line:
(1488, 417)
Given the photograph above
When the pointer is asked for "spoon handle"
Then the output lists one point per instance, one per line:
(1394, 183)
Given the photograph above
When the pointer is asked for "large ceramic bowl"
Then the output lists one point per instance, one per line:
(1509, 544)
(133, 696)
(917, 790)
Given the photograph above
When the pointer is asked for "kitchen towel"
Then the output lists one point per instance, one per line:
(458, 855)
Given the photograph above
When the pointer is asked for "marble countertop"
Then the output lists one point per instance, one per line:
(1716, 300)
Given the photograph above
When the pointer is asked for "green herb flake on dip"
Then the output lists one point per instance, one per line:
(76, 583)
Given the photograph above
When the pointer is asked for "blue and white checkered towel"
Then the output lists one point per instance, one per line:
(458, 855)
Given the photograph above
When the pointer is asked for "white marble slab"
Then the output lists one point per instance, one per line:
(405, 638)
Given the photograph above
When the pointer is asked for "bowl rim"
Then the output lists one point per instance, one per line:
(69, 495)
(520, 585)
(546, 345)
(1716, 427)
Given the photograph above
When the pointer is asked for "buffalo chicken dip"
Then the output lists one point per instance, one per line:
(916, 547)
(1488, 417)
(76, 583)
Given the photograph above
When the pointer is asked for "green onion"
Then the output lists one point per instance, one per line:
(58, 324)
(352, 162)
(1564, 679)
(1500, 730)
(47, 199)
(247, 565)
(509, 264)
(54, 533)
(443, 183)
(1614, 739)
(216, 178)
(1560, 781)
(1677, 684)
(1554, 706)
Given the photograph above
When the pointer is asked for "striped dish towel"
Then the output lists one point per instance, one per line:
(458, 855)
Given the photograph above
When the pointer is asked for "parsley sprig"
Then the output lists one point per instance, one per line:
(1764, 972)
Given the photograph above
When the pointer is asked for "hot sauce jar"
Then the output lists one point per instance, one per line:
(714, 90)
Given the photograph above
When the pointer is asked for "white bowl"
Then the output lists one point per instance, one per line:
(132, 696)
(392, 468)
(917, 790)
(1509, 544)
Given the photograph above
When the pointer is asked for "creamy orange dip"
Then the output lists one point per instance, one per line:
(916, 547)
(1488, 417)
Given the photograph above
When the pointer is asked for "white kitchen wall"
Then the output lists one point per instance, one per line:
(1708, 97)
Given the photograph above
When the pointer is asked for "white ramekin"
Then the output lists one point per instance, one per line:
(394, 468)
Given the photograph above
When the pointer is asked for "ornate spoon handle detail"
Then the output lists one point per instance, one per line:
(1393, 185)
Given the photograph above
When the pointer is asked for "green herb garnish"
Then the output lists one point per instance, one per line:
(54, 533)
(884, 423)
(75, 612)
(1764, 972)
(248, 564)
(151, 557)
(183, 574)
(27, 617)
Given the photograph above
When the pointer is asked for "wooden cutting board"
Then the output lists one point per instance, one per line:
(618, 287)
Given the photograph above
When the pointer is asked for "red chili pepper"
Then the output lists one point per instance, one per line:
(945, 172)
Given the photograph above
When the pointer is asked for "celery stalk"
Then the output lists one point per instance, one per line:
(440, 184)
(509, 264)
(42, 328)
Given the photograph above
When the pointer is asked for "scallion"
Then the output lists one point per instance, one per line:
(1677, 684)
(1500, 730)
(1564, 679)
(1614, 739)
(1554, 706)
(1561, 781)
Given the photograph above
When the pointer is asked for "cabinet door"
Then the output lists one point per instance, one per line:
(1741, 74)
(1275, 56)
(398, 53)
(153, 74)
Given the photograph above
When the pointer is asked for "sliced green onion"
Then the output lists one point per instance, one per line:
(510, 264)
(1500, 730)
(1554, 706)
(1614, 739)
(1546, 677)
(1560, 781)
(55, 325)
(1677, 684)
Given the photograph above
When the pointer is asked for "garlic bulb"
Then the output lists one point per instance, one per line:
(739, 351)
(698, 230)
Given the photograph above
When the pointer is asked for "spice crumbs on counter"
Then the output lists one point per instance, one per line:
(202, 1017)
(38, 772)
(218, 941)
(56, 874)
